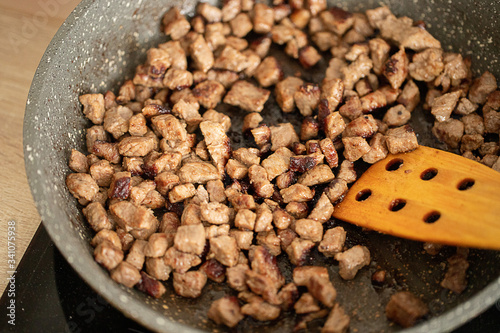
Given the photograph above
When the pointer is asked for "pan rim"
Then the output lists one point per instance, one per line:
(111, 291)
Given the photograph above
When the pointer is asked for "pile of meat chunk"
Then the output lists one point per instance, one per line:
(169, 198)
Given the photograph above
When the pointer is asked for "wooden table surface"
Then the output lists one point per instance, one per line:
(26, 26)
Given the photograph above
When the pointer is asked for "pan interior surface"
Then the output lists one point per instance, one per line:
(99, 46)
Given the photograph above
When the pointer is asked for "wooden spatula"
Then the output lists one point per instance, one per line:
(428, 195)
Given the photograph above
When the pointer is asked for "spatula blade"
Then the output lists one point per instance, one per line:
(428, 195)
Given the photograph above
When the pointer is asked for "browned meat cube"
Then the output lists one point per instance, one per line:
(150, 286)
(306, 304)
(307, 98)
(285, 91)
(337, 20)
(404, 308)
(410, 96)
(230, 9)
(334, 125)
(190, 238)
(189, 284)
(201, 54)
(93, 107)
(181, 192)
(443, 106)
(482, 87)
(175, 24)
(179, 261)
(214, 270)
(281, 218)
(78, 162)
(277, 163)
(449, 132)
(215, 213)
(158, 61)
(330, 153)
(473, 124)
(106, 235)
(308, 56)
(303, 163)
(356, 70)
(347, 172)
(218, 117)
(299, 17)
(251, 121)
(116, 120)
(94, 134)
(177, 79)
(270, 241)
(471, 142)
(153, 109)
(215, 189)
(352, 260)
(176, 53)
(379, 52)
(298, 251)
(236, 170)
(263, 218)
(198, 173)
(397, 116)
(226, 311)
(137, 125)
(243, 238)
(286, 237)
(165, 181)
(169, 127)
(247, 96)
(241, 201)
(364, 126)
(283, 135)
(309, 128)
(247, 156)
(325, 40)
(136, 255)
(455, 277)
(281, 11)
(465, 107)
(216, 231)
(209, 12)
(378, 149)
(82, 186)
(261, 135)
(373, 101)
(231, 59)
(214, 35)
(136, 146)
(336, 190)
(191, 214)
(492, 122)
(302, 275)
(264, 263)
(427, 65)
(126, 274)
(263, 18)
(156, 246)
(236, 277)
(209, 93)
(309, 229)
(259, 180)
(225, 77)
(241, 25)
(401, 140)
(322, 289)
(396, 69)
(225, 250)
(245, 219)
(262, 285)
(260, 310)
(102, 172)
(269, 72)
(323, 210)
(298, 193)
(355, 148)
(198, 24)
(139, 192)
(320, 174)
(298, 210)
(337, 321)
(97, 217)
(157, 268)
(333, 242)
(107, 255)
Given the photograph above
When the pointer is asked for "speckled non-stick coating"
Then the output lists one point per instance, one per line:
(101, 43)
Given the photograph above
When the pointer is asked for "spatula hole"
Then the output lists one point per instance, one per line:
(432, 217)
(466, 184)
(428, 174)
(394, 164)
(363, 195)
(397, 204)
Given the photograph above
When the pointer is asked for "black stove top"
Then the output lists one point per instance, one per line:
(51, 297)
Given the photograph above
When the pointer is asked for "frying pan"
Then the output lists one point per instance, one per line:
(101, 43)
